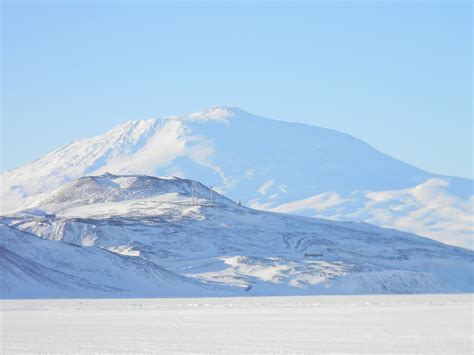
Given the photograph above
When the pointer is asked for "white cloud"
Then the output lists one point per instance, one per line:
(172, 140)
(219, 114)
(259, 205)
(10, 201)
(266, 186)
(202, 151)
(428, 209)
(272, 197)
(161, 149)
(316, 203)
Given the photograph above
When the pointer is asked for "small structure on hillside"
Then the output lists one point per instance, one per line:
(210, 188)
(194, 194)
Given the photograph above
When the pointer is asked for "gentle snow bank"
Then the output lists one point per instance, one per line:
(422, 324)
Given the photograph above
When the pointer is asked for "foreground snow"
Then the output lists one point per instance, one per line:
(428, 324)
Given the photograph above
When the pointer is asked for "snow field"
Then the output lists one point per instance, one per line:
(409, 324)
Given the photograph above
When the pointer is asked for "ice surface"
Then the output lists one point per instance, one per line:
(422, 324)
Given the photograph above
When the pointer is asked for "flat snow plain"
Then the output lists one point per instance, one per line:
(408, 324)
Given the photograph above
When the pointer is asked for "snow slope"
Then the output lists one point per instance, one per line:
(148, 230)
(267, 164)
(32, 267)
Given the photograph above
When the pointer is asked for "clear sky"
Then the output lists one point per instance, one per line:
(397, 75)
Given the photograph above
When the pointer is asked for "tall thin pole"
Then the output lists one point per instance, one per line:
(194, 193)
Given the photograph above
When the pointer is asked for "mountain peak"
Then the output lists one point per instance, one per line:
(267, 164)
(215, 113)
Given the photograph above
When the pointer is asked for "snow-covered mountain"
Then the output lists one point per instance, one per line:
(32, 267)
(124, 236)
(267, 164)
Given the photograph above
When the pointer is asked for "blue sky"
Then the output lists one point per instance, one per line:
(394, 74)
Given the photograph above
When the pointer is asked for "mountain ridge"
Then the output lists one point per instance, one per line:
(264, 163)
(141, 236)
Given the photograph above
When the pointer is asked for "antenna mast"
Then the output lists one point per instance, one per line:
(194, 194)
